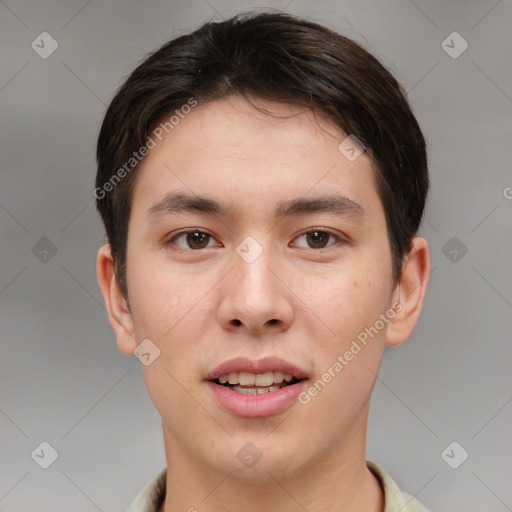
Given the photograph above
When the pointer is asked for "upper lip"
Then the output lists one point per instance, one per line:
(266, 364)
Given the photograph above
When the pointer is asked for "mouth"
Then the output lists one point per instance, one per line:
(256, 387)
(247, 383)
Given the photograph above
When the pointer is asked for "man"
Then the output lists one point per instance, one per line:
(262, 181)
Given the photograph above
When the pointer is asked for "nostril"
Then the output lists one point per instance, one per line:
(237, 322)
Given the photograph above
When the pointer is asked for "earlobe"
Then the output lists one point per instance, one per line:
(119, 315)
(410, 293)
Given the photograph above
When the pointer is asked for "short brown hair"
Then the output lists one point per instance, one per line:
(279, 57)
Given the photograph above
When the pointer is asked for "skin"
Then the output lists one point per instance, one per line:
(186, 301)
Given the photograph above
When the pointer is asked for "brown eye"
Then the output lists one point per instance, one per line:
(318, 239)
(194, 239)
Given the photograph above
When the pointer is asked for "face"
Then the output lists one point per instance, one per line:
(265, 272)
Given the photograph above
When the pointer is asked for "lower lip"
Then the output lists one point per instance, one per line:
(256, 406)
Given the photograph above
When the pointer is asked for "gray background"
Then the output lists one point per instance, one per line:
(62, 379)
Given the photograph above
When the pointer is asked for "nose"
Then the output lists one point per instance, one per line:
(255, 296)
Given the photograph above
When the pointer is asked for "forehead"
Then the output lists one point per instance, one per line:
(231, 152)
(254, 125)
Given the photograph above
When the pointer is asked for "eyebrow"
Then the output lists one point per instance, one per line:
(180, 202)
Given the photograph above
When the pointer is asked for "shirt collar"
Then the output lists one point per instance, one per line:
(151, 498)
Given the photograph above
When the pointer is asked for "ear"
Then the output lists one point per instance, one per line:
(119, 314)
(409, 293)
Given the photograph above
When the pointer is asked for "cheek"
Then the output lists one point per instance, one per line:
(160, 295)
(171, 308)
(348, 304)
(344, 302)
(348, 360)
(167, 306)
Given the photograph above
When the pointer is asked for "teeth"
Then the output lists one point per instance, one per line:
(278, 377)
(247, 379)
(250, 379)
(265, 379)
(255, 391)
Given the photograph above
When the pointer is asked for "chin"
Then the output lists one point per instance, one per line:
(259, 468)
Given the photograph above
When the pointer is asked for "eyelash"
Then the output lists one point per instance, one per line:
(314, 230)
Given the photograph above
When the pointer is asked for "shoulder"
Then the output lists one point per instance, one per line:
(152, 496)
(395, 500)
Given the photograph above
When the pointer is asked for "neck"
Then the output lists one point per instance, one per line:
(334, 481)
